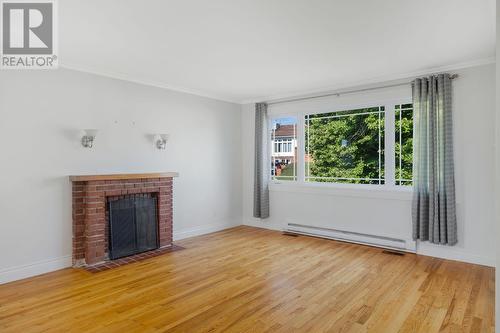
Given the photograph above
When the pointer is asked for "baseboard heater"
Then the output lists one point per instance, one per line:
(349, 236)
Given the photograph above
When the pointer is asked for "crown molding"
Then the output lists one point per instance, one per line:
(373, 81)
(147, 82)
(347, 85)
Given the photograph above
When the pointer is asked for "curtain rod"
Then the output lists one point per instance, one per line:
(453, 76)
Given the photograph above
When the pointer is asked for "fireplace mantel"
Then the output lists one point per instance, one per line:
(123, 176)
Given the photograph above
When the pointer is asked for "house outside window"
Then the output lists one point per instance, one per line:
(284, 148)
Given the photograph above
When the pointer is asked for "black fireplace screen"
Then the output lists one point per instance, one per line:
(132, 225)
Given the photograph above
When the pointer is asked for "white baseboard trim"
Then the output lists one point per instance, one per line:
(437, 251)
(450, 253)
(45, 266)
(40, 267)
(204, 229)
(264, 224)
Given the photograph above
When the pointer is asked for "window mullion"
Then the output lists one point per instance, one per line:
(300, 149)
(390, 144)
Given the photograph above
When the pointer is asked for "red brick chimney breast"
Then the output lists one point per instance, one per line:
(90, 195)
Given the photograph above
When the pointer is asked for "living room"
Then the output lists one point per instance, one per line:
(249, 166)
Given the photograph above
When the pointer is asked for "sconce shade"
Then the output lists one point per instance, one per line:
(88, 138)
(161, 140)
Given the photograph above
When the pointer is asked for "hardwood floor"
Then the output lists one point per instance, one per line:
(254, 280)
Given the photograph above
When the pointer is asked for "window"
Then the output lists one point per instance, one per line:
(284, 148)
(345, 146)
(283, 145)
(369, 146)
(403, 114)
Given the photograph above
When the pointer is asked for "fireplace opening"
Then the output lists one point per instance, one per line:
(133, 225)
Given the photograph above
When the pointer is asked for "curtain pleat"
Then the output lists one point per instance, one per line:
(262, 164)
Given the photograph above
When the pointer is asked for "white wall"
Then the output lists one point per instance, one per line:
(497, 166)
(389, 212)
(41, 115)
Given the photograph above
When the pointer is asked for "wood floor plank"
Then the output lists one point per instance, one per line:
(247, 279)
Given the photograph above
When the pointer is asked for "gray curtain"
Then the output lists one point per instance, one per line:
(262, 164)
(433, 208)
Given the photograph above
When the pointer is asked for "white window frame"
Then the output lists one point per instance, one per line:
(390, 144)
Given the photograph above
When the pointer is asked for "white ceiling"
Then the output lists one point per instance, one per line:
(239, 50)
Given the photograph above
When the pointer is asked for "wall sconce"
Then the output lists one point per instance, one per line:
(88, 138)
(161, 141)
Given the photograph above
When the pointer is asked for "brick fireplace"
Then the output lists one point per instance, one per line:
(91, 197)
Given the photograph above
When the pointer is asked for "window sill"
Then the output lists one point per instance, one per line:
(345, 190)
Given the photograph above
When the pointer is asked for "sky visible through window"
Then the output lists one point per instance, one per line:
(284, 121)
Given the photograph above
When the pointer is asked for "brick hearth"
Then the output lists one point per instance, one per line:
(90, 195)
